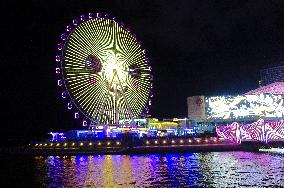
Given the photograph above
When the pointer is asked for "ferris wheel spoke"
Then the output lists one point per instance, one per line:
(97, 61)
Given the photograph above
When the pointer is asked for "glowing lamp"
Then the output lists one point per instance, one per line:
(108, 143)
(82, 17)
(85, 123)
(45, 144)
(51, 144)
(59, 46)
(173, 141)
(189, 141)
(57, 58)
(68, 28)
(81, 144)
(156, 142)
(64, 95)
(75, 22)
(99, 144)
(57, 70)
(147, 142)
(65, 144)
(36, 144)
(90, 15)
(73, 144)
(117, 143)
(58, 144)
(63, 37)
(90, 144)
(181, 141)
(76, 115)
(69, 105)
(59, 83)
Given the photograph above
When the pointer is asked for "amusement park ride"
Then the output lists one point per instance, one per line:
(103, 72)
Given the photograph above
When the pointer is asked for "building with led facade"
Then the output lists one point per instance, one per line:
(272, 74)
(266, 103)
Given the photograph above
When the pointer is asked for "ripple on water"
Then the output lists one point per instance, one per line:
(215, 169)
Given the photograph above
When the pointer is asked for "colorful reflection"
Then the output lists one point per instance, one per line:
(213, 169)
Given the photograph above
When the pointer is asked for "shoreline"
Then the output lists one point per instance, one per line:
(123, 150)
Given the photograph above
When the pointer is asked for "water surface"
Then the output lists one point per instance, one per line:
(214, 169)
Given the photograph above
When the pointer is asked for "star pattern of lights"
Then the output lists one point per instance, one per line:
(104, 70)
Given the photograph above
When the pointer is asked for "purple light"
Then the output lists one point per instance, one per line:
(128, 29)
(57, 70)
(69, 105)
(57, 58)
(151, 77)
(106, 16)
(150, 68)
(121, 24)
(68, 28)
(75, 22)
(59, 46)
(63, 36)
(59, 83)
(76, 115)
(82, 17)
(85, 123)
(64, 94)
(98, 15)
(150, 103)
(90, 15)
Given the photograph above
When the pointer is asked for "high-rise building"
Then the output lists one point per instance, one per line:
(272, 74)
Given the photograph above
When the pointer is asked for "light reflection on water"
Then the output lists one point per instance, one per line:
(215, 169)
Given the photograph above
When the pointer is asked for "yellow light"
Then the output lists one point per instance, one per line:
(117, 143)
(189, 141)
(73, 144)
(51, 144)
(198, 140)
(58, 144)
(164, 142)
(156, 142)
(40, 145)
(181, 141)
(90, 143)
(36, 144)
(147, 142)
(173, 141)
(45, 144)
(99, 144)
(81, 144)
(65, 144)
(108, 143)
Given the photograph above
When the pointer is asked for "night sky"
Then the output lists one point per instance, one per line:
(195, 48)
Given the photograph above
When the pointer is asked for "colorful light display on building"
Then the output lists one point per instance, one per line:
(257, 131)
(245, 106)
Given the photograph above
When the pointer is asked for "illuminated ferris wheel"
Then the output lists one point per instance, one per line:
(103, 71)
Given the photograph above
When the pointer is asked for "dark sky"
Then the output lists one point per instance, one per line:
(195, 47)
